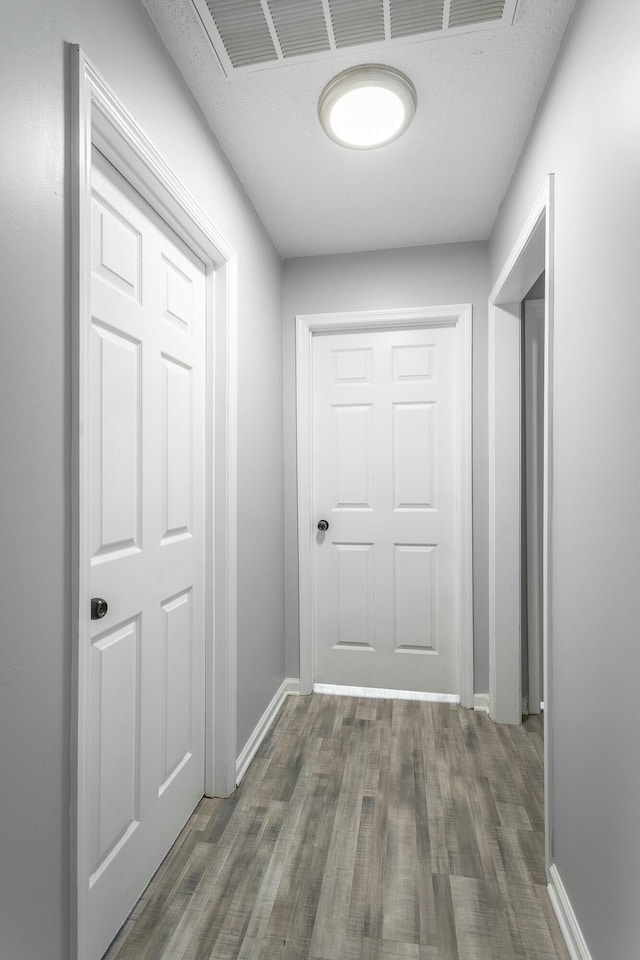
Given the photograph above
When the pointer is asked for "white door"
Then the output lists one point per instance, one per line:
(386, 572)
(146, 492)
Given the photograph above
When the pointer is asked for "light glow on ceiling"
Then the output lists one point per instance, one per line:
(367, 106)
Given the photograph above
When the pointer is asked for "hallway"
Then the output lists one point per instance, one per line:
(363, 830)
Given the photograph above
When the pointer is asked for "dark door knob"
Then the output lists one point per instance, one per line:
(323, 525)
(99, 608)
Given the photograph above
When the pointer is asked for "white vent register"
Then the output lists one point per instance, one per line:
(250, 35)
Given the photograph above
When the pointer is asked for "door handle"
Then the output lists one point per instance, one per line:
(323, 525)
(99, 608)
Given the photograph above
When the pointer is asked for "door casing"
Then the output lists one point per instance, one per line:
(307, 325)
(533, 316)
(100, 119)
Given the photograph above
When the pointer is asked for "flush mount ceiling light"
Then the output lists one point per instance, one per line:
(367, 106)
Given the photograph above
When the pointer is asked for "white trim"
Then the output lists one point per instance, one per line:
(533, 324)
(378, 693)
(481, 702)
(100, 119)
(547, 517)
(220, 777)
(290, 686)
(567, 920)
(532, 252)
(458, 315)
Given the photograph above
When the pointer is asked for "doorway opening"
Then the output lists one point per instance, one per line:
(530, 257)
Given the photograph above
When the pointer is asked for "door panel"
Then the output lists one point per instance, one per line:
(177, 455)
(115, 740)
(116, 431)
(415, 587)
(177, 657)
(116, 248)
(146, 490)
(413, 455)
(352, 448)
(386, 573)
(178, 295)
(353, 592)
(413, 362)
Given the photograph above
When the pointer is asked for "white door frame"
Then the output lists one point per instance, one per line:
(531, 254)
(101, 120)
(457, 315)
(533, 310)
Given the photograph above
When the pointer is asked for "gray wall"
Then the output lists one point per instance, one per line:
(413, 277)
(35, 437)
(588, 134)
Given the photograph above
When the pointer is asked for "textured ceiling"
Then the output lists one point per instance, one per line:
(442, 182)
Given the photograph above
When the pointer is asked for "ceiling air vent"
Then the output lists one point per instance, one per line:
(357, 21)
(243, 30)
(250, 35)
(300, 27)
(411, 17)
(462, 13)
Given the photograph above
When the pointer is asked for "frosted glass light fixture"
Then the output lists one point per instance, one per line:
(367, 106)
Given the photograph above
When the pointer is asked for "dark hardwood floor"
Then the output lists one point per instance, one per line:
(363, 830)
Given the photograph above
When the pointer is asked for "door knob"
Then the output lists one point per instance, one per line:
(323, 525)
(99, 608)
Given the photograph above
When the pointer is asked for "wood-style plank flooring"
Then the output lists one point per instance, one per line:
(363, 830)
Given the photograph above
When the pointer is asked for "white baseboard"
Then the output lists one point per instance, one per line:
(567, 920)
(381, 694)
(481, 702)
(289, 685)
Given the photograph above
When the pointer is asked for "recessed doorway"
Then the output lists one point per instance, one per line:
(531, 255)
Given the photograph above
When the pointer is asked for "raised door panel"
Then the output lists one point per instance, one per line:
(413, 362)
(352, 365)
(115, 742)
(413, 456)
(415, 591)
(177, 692)
(177, 449)
(116, 249)
(352, 456)
(354, 591)
(116, 432)
(178, 295)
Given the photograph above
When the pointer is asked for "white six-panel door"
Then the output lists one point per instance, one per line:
(386, 596)
(147, 550)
